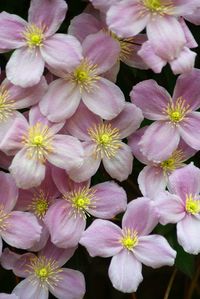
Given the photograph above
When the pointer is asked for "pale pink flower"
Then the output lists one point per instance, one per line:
(8, 296)
(175, 117)
(181, 205)
(85, 82)
(34, 144)
(66, 219)
(35, 42)
(103, 141)
(43, 274)
(18, 229)
(130, 246)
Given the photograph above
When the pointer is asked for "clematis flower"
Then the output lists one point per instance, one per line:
(130, 246)
(85, 82)
(18, 229)
(102, 141)
(154, 177)
(181, 205)
(175, 118)
(35, 42)
(34, 144)
(43, 273)
(8, 296)
(66, 219)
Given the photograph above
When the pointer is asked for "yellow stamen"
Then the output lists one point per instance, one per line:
(129, 239)
(177, 111)
(39, 204)
(34, 35)
(38, 142)
(173, 162)
(126, 45)
(158, 6)
(3, 218)
(6, 105)
(192, 205)
(107, 140)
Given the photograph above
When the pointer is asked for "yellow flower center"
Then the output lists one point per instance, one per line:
(85, 76)
(107, 140)
(126, 45)
(173, 162)
(81, 200)
(38, 142)
(6, 105)
(129, 239)
(192, 205)
(177, 111)
(44, 269)
(34, 35)
(159, 6)
(3, 218)
(39, 204)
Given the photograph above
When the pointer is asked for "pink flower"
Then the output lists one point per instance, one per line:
(181, 205)
(18, 229)
(154, 177)
(175, 118)
(8, 296)
(66, 219)
(43, 274)
(84, 81)
(130, 246)
(103, 141)
(34, 144)
(35, 41)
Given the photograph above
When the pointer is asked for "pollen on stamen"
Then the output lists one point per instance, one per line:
(107, 140)
(3, 218)
(39, 204)
(38, 142)
(177, 110)
(6, 104)
(173, 162)
(81, 200)
(34, 35)
(158, 7)
(129, 239)
(192, 204)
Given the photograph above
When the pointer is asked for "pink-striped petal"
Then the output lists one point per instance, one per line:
(189, 130)
(8, 192)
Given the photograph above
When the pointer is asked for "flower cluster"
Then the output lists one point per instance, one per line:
(69, 137)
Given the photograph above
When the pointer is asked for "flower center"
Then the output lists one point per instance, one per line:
(129, 239)
(6, 105)
(81, 200)
(3, 218)
(38, 142)
(126, 45)
(158, 7)
(192, 205)
(177, 111)
(39, 204)
(34, 35)
(107, 140)
(175, 161)
(44, 269)
(85, 76)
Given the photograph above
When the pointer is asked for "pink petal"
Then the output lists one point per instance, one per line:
(11, 29)
(152, 180)
(189, 130)
(102, 238)
(112, 73)
(103, 5)
(184, 62)
(105, 94)
(71, 285)
(47, 13)
(62, 52)
(166, 36)
(67, 97)
(125, 272)
(22, 230)
(109, 199)
(25, 67)
(26, 289)
(8, 296)
(159, 141)
(128, 121)
(81, 121)
(89, 167)
(8, 192)
(132, 24)
(194, 17)
(154, 251)
(188, 87)
(188, 234)
(140, 216)
(191, 42)
(170, 207)
(43, 238)
(83, 25)
(65, 228)
(157, 97)
(185, 180)
(27, 172)
(67, 152)
(94, 48)
(150, 58)
(120, 166)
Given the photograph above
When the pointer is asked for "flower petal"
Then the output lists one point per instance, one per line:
(25, 67)
(125, 272)
(102, 238)
(189, 130)
(184, 62)
(8, 192)
(26, 289)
